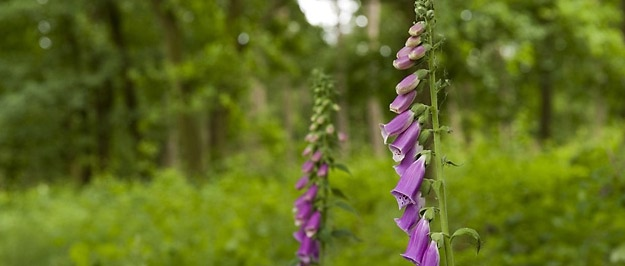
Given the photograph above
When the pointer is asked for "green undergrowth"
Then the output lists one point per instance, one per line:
(533, 205)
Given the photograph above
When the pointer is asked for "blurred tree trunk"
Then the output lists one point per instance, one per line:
(80, 162)
(341, 84)
(183, 147)
(546, 103)
(374, 111)
(114, 19)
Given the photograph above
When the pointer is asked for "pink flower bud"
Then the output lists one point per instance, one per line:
(403, 52)
(417, 28)
(417, 53)
(402, 102)
(403, 63)
(413, 41)
(408, 84)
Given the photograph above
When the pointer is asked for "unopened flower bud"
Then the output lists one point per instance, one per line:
(403, 52)
(403, 63)
(417, 53)
(413, 41)
(402, 102)
(417, 28)
(408, 84)
(330, 129)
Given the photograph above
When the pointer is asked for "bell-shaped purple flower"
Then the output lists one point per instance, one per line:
(417, 53)
(417, 28)
(299, 235)
(408, 84)
(411, 215)
(308, 166)
(311, 193)
(431, 257)
(303, 211)
(413, 41)
(316, 156)
(407, 189)
(308, 250)
(302, 182)
(408, 160)
(312, 225)
(402, 102)
(323, 170)
(419, 241)
(403, 63)
(397, 125)
(405, 141)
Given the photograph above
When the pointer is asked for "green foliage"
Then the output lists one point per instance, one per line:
(561, 206)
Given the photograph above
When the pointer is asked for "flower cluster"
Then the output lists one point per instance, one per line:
(411, 160)
(311, 207)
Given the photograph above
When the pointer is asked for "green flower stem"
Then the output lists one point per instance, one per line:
(437, 167)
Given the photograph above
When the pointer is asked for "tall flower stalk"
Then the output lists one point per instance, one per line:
(409, 132)
(311, 208)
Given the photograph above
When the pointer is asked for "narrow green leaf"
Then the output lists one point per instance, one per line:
(345, 233)
(345, 206)
(342, 167)
(470, 232)
(337, 192)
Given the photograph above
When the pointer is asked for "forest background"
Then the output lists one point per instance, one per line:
(168, 132)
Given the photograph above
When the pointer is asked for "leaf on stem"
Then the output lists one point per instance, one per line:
(469, 232)
(342, 167)
(345, 233)
(339, 193)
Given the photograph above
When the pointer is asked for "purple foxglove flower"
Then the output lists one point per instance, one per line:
(431, 257)
(410, 216)
(419, 240)
(301, 183)
(403, 63)
(397, 125)
(408, 160)
(307, 151)
(302, 213)
(299, 235)
(308, 251)
(405, 141)
(417, 53)
(403, 52)
(417, 28)
(408, 84)
(313, 224)
(323, 170)
(407, 189)
(311, 193)
(403, 102)
(308, 166)
(316, 156)
(413, 41)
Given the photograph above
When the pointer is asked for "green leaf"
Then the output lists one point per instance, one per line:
(448, 162)
(342, 167)
(618, 254)
(345, 233)
(339, 193)
(470, 232)
(345, 206)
